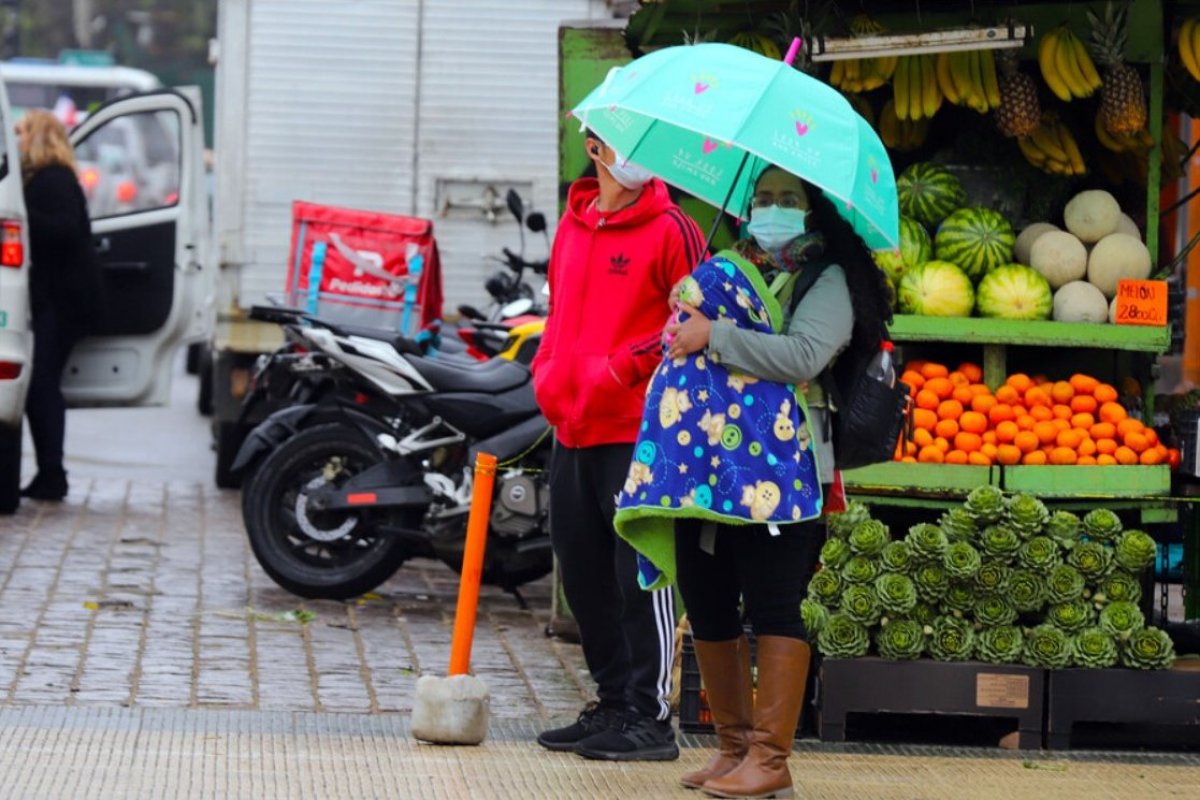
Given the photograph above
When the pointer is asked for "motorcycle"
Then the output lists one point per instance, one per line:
(513, 300)
(377, 467)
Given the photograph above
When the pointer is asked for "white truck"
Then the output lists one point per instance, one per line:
(431, 108)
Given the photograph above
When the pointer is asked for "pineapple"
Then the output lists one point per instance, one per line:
(1122, 98)
(1019, 113)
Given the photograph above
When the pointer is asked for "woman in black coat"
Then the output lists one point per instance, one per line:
(63, 286)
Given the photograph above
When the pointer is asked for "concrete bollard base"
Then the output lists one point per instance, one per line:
(451, 710)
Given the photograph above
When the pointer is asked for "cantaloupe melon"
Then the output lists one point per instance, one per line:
(1060, 257)
(1117, 257)
(1027, 237)
(1092, 215)
(1079, 301)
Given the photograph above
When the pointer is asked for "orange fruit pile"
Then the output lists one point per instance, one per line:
(1028, 420)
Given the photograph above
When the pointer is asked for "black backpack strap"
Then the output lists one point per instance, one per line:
(802, 280)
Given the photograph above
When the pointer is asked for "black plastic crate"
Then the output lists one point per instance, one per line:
(1187, 428)
(694, 715)
(1162, 702)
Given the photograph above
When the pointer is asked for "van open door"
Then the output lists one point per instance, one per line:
(141, 164)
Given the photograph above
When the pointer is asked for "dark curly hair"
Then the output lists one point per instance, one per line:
(869, 293)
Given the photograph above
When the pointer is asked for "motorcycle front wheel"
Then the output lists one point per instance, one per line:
(317, 554)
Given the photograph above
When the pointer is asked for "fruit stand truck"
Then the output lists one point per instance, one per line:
(429, 109)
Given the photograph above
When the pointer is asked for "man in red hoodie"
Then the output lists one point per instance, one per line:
(620, 247)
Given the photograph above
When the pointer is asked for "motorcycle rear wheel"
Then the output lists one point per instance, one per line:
(332, 555)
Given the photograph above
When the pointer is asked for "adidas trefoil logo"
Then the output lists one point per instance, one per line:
(620, 264)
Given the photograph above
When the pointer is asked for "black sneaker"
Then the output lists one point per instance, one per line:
(641, 738)
(594, 719)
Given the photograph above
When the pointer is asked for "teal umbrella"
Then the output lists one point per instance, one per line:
(708, 118)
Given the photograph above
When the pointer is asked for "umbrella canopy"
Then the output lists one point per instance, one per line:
(708, 118)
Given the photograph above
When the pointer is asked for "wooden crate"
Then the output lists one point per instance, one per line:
(966, 688)
(1120, 696)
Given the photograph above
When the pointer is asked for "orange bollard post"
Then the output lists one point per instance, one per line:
(472, 566)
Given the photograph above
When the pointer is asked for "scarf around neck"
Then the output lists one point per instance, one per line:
(804, 248)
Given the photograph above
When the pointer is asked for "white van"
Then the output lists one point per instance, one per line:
(37, 83)
(153, 246)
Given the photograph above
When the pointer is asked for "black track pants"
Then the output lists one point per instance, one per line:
(628, 634)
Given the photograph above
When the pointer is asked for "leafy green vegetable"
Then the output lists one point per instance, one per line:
(1101, 525)
(1135, 551)
(841, 525)
(835, 553)
(814, 615)
(861, 604)
(860, 569)
(825, 587)
(1092, 559)
(1048, 647)
(1063, 527)
(951, 639)
(1040, 554)
(869, 538)
(1027, 590)
(927, 542)
(958, 525)
(842, 637)
(897, 593)
(1148, 648)
(1071, 616)
(1027, 515)
(896, 557)
(1003, 644)
(1120, 585)
(1064, 584)
(999, 542)
(924, 613)
(992, 577)
(959, 599)
(932, 582)
(1121, 619)
(1094, 648)
(993, 610)
(901, 640)
(961, 561)
(985, 505)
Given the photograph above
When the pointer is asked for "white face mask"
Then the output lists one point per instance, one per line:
(629, 175)
(773, 227)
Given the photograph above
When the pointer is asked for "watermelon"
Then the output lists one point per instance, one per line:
(915, 245)
(1014, 291)
(936, 289)
(976, 239)
(929, 193)
(891, 262)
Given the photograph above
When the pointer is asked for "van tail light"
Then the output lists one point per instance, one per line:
(9, 370)
(126, 192)
(12, 251)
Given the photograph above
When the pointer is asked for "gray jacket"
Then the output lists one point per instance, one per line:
(818, 330)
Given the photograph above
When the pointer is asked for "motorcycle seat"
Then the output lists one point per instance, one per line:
(401, 344)
(487, 377)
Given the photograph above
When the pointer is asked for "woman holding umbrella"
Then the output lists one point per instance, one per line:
(737, 523)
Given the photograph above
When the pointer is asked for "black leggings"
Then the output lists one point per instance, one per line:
(769, 572)
(45, 405)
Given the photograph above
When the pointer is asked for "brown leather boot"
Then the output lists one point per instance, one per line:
(782, 676)
(725, 670)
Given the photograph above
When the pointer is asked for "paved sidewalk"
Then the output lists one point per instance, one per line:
(143, 653)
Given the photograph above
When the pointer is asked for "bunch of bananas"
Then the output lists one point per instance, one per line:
(1052, 148)
(917, 93)
(901, 135)
(969, 79)
(1189, 46)
(1066, 66)
(857, 75)
(1139, 141)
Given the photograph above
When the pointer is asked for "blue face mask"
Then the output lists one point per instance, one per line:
(773, 227)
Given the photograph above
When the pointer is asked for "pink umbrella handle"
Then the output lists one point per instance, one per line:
(793, 51)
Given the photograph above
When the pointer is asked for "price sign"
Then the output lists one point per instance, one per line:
(1142, 303)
